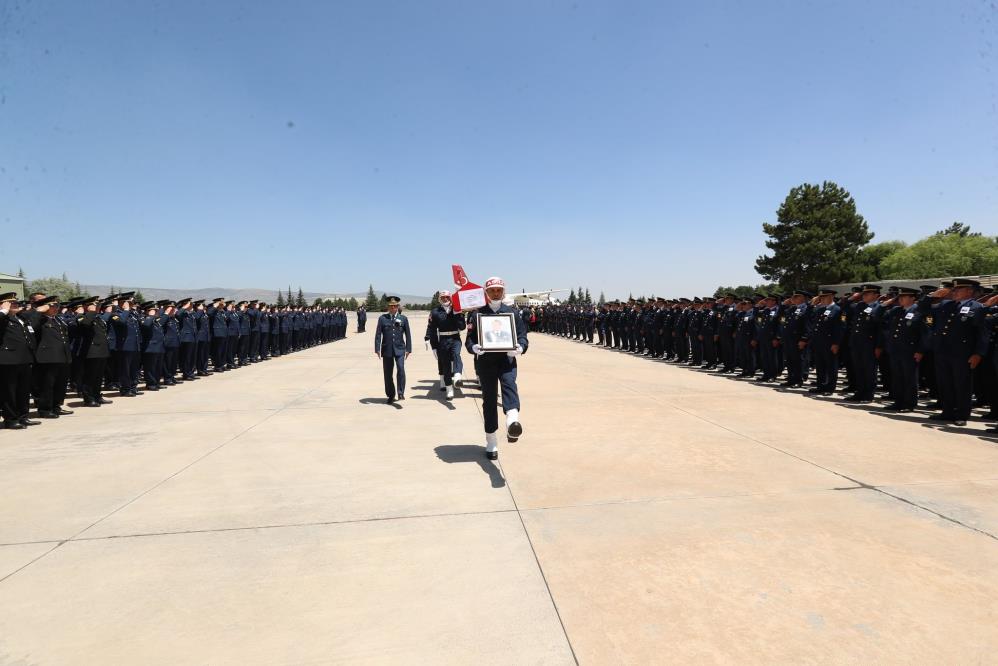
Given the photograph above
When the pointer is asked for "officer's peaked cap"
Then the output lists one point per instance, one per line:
(966, 282)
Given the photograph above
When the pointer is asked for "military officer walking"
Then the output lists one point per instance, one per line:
(393, 344)
(443, 331)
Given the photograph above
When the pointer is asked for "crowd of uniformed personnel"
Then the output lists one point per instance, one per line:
(92, 345)
(939, 341)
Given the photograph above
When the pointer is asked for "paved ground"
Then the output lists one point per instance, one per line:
(650, 514)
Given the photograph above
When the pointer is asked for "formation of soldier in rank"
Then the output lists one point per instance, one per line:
(937, 342)
(496, 371)
(89, 345)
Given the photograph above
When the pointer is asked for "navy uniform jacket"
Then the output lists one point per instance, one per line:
(392, 336)
(793, 323)
(152, 335)
(126, 330)
(903, 331)
(827, 325)
(218, 322)
(93, 335)
(867, 321)
(171, 333)
(959, 329)
(111, 341)
(767, 325)
(254, 318)
(202, 325)
(263, 320)
(187, 325)
(244, 322)
(232, 323)
(17, 345)
(443, 320)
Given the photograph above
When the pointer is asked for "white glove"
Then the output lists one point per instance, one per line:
(516, 352)
(427, 343)
(477, 349)
(434, 353)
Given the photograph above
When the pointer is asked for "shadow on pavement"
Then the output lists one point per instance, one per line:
(378, 401)
(467, 453)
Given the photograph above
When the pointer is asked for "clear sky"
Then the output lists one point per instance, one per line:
(624, 146)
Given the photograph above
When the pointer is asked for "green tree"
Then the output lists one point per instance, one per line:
(434, 300)
(290, 299)
(959, 229)
(371, 303)
(280, 299)
(383, 303)
(20, 272)
(352, 304)
(871, 258)
(300, 301)
(571, 297)
(747, 290)
(816, 239)
(51, 286)
(602, 299)
(943, 255)
(139, 298)
(579, 297)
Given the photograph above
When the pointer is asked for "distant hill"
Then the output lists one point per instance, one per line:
(239, 294)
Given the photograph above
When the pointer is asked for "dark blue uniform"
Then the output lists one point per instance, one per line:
(153, 342)
(959, 331)
(443, 330)
(495, 370)
(392, 341)
(127, 349)
(825, 331)
(903, 337)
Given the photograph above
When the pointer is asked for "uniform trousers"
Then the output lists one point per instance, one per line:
(152, 364)
(202, 351)
(904, 377)
(50, 385)
(186, 356)
(864, 368)
(393, 360)
(955, 380)
(218, 352)
(264, 348)
(128, 369)
(93, 379)
(15, 391)
(169, 368)
(796, 362)
(826, 366)
(496, 371)
(448, 357)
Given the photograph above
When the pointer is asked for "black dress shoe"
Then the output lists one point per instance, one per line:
(492, 455)
(891, 408)
(959, 422)
(827, 393)
(401, 397)
(42, 414)
(389, 400)
(14, 425)
(63, 412)
(905, 410)
(91, 403)
(939, 417)
(28, 422)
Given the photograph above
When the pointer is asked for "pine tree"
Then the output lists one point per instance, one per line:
(20, 272)
(371, 302)
(352, 303)
(602, 299)
(300, 301)
(579, 297)
(280, 299)
(435, 300)
(383, 303)
(139, 298)
(589, 298)
(571, 297)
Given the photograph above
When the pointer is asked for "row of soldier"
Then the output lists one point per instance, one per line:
(937, 339)
(90, 345)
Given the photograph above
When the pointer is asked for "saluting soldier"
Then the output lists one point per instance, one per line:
(823, 337)
(153, 341)
(128, 352)
(171, 342)
(202, 346)
(960, 340)
(219, 326)
(864, 334)
(905, 342)
(94, 348)
(188, 335)
(52, 357)
(793, 330)
(17, 353)
(498, 370)
(393, 344)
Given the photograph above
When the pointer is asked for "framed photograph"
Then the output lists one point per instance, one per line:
(497, 332)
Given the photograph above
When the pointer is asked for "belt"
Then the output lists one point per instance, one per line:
(448, 332)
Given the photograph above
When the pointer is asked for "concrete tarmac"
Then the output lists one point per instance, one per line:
(283, 514)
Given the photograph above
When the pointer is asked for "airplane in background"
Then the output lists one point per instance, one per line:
(527, 299)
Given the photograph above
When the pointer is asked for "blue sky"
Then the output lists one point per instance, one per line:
(624, 146)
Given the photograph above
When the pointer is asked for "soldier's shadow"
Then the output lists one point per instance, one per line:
(468, 453)
(378, 401)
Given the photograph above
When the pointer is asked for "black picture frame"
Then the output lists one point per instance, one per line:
(496, 331)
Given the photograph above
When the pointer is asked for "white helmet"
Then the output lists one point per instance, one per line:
(494, 282)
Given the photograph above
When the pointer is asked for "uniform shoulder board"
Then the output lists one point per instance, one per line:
(114, 317)
(79, 318)
(843, 317)
(928, 320)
